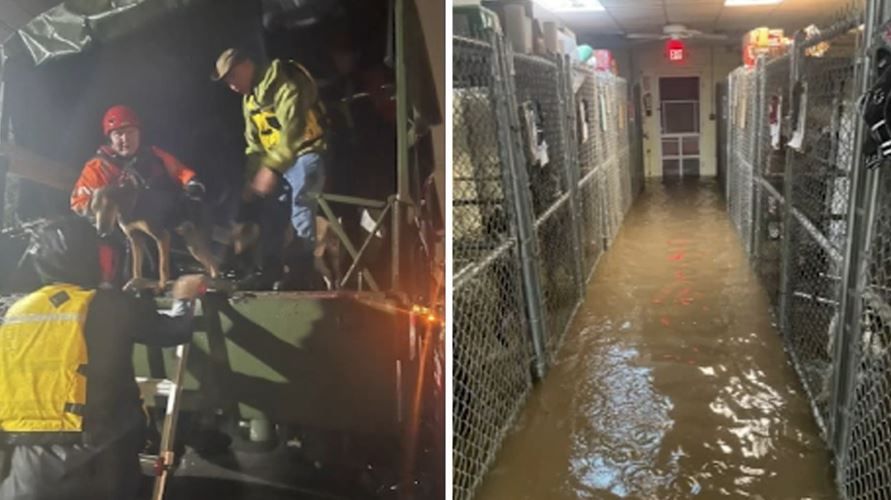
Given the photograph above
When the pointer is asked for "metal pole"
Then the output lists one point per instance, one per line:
(863, 197)
(517, 185)
(4, 170)
(402, 174)
(4, 138)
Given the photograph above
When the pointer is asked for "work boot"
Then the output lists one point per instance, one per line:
(302, 274)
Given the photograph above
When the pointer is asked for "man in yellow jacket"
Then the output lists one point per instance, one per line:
(285, 136)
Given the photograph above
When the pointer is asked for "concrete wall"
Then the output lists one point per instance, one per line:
(711, 63)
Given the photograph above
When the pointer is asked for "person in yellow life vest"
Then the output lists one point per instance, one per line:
(285, 135)
(71, 419)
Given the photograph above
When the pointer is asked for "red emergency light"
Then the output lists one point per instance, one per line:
(675, 50)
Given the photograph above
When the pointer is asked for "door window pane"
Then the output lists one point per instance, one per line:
(691, 146)
(679, 89)
(680, 117)
(670, 147)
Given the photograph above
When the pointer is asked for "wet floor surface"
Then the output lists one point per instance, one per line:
(672, 381)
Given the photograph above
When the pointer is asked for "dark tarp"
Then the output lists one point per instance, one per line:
(72, 26)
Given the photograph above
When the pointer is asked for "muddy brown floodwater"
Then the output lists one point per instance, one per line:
(672, 382)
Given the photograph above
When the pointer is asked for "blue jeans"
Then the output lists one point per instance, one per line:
(307, 175)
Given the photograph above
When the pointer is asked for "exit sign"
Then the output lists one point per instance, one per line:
(675, 51)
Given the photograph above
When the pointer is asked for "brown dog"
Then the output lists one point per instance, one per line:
(116, 204)
(326, 254)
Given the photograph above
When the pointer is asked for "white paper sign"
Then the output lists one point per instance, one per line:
(798, 136)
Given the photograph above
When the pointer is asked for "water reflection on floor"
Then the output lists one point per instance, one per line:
(672, 381)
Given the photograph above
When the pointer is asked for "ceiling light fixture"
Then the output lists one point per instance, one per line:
(570, 5)
(749, 3)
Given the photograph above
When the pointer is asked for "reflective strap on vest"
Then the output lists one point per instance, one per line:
(42, 357)
(42, 318)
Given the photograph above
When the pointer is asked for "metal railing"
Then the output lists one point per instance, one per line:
(542, 178)
(821, 236)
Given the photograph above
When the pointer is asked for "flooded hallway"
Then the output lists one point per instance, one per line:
(671, 242)
(672, 382)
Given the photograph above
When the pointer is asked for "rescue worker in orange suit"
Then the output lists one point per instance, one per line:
(71, 418)
(286, 144)
(124, 156)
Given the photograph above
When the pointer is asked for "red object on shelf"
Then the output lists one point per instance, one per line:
(675, 50)
(603, 60)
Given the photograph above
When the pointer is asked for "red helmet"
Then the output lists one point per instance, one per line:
(118, 117)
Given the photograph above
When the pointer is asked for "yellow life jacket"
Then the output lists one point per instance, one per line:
(43, 354)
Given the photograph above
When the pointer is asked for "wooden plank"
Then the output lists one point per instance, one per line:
(34, 167)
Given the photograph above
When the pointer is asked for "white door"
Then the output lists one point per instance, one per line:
(679, 106)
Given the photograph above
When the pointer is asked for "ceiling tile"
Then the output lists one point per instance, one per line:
(640, 17)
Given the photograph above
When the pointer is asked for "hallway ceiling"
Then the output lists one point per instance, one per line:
(624, 16)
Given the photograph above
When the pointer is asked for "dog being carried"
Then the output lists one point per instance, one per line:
(327, 255)
(142, 213)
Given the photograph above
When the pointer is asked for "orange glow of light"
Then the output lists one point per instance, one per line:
(427, 314)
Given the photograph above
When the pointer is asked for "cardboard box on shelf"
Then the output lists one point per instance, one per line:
(568, 42)
(559, 40)
(468, 20)
(551, 37)
(518, 27)
(763, 41)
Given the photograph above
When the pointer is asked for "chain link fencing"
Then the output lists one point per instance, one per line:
(790, 151)
(772, 135)
(862, 377)
(590, 187)
(491, 352)
(742, 134)
(817, 190)
(821, 239)
(866, 453)
(542, 178)
(539, 95)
